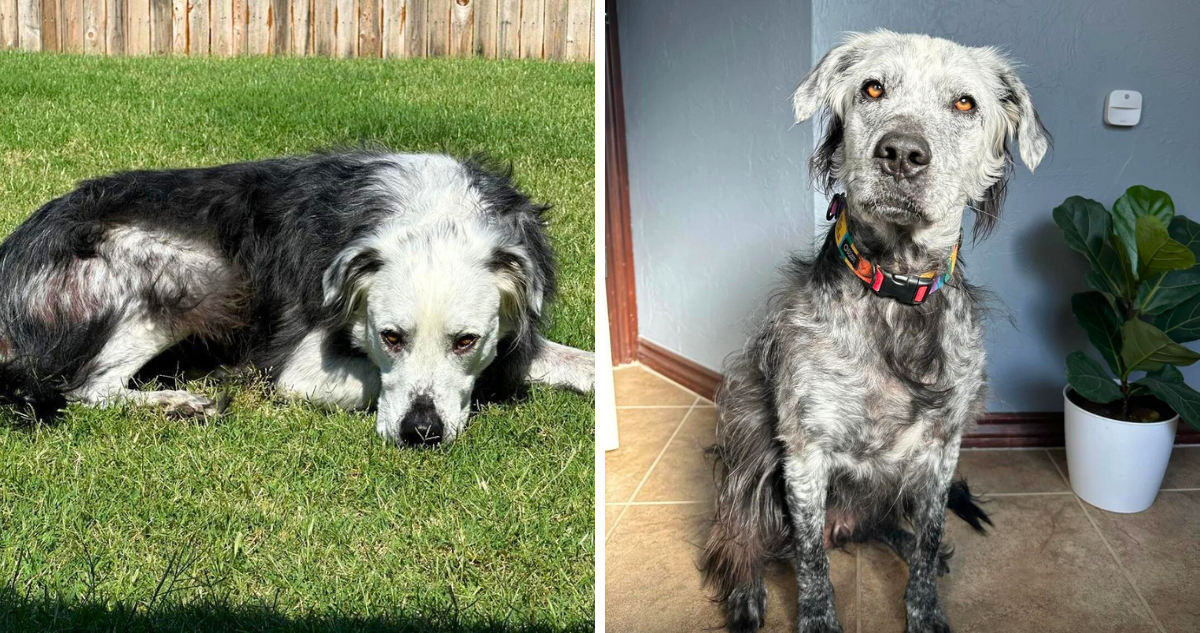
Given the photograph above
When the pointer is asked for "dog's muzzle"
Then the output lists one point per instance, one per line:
(422, 426)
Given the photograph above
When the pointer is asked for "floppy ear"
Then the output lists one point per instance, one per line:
(1024, 125)
(816, 91)
(347, 278)
(521, 290)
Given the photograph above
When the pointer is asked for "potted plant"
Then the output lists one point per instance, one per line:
(1144, 303)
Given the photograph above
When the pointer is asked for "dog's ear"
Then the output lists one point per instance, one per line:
(521, 291)
(347, 278)
(1024, 125)
(818, 89)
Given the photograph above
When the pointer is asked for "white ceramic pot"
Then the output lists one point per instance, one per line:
(1114, 465)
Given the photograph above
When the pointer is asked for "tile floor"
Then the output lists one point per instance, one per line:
(1053, 563)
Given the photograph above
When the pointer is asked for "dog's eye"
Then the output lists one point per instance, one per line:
(964, 104)
(392, 338)
(465, 343)
(873, 89)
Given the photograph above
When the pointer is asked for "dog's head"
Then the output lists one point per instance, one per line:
(918, 128)
(430, 304)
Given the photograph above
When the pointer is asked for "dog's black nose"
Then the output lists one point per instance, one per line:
(902, 155)
(421, 425)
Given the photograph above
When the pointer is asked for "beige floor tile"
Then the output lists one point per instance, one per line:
(652, 584)
(1004, 471)
(1160, 549)
(643, 434)
(637, 387)
(610, 516)
(684, 473)
(1183, 471)
(1043, 568)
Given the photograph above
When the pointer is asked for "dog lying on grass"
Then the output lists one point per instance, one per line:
(407, 282)
(842, 419)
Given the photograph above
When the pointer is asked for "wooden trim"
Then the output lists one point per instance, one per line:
(684, 371)
(618, 242)
(1019, 429)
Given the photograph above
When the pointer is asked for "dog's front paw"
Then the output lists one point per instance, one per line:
(934, 622)
(826, 624)
(746, 609)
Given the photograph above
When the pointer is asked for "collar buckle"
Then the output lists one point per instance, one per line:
(907, 289)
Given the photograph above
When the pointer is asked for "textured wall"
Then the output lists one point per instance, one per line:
(718, 180)
(1074, 53)
(717, 176)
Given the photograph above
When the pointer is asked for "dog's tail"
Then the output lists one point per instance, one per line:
(751, 526)
(42, 360)
(960, 501)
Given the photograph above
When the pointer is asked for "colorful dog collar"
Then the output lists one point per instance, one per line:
(908, 289)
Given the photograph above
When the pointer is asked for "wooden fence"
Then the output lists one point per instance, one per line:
(496, 29)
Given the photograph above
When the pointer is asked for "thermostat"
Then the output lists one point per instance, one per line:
(1123, 107)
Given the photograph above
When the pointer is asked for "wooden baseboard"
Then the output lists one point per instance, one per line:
(684, 371)
(1019, 429)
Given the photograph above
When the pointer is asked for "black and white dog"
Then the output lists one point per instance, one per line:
(410, 282)
(842, 419)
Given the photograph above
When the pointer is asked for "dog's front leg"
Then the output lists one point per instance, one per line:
(929, 518)
(807, 478)
(565, 367)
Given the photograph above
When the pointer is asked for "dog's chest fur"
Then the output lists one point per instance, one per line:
(883, 388)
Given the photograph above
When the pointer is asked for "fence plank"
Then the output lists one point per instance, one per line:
(533, 18)
(238, 13)
(592, 35)
(258, 31)
(281, 28)
(462, 28)
(415, 35)
(179, 27)
(346, 35)
(160, 27)
(220, 28)
(10, 32)
(199, 34)
(71, 17)
(392, 29)
(369, 41)
(29, 13)
(555, 29)
(95, 27)
(487, 13)
(579, 35)
(439, 27)
(323, 26)
(51, 29)
(137, 27)
(508, 40)
(114, 27)
(300, 15)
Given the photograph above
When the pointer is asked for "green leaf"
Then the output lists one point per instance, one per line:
(1088, 378)
(1139, 202)
(1085, 225)
(1157, 252)
(1164, 292)
(1102, 324)
(1181, 323)
(1177, 395)
(1145, 347)
(1185, 232)
(1169, 373)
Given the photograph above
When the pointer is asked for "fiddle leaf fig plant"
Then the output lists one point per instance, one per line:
(1144, 302)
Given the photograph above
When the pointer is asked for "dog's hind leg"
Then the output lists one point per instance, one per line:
(134, 342)
(807, 478)
(561, 366)
(904, 543)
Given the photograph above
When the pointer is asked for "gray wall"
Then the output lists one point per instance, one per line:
(694, 218)
(717, 176)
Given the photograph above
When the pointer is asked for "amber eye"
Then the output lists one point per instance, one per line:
(392, 338)
(873, 89)
(964, 104)
(465, 343)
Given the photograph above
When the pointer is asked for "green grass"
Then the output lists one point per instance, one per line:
(279, 515)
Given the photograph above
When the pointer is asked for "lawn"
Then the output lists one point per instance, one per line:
(278, 515)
